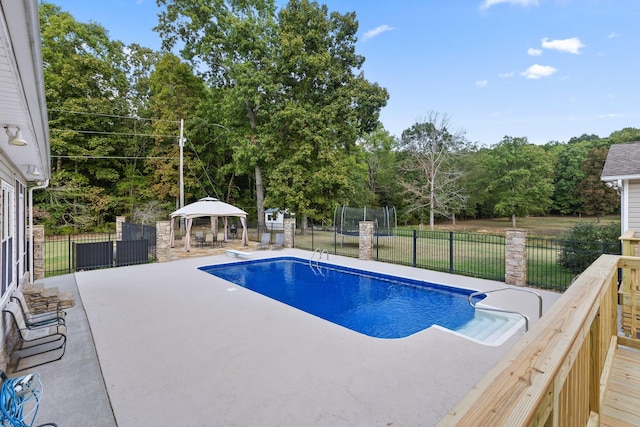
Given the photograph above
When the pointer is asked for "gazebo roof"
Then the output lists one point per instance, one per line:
(208, 206)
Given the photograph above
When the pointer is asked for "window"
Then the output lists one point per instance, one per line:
(8, 233)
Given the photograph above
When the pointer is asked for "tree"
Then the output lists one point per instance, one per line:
(321, 109)
(431, 177)
(567, 177)
(598, 198)
(521, 178)
(585, 242)
(175, 93)
(231, 44)
(86, 88)
(624, 135)
(380, 150)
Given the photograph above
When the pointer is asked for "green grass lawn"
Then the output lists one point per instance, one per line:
(474, 254)
(547, 226)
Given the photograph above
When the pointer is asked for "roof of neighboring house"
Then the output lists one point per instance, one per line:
(623, 162)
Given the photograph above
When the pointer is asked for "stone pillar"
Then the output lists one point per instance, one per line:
(119, 221)
(515, 263)
(366, 240)
(38, 252)
(163, 241)
(289, 232)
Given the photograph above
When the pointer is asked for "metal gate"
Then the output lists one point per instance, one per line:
(90, 251)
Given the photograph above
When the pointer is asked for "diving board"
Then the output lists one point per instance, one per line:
(238, 253)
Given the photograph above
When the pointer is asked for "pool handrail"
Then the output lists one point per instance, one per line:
(500, 310)
(317, 266)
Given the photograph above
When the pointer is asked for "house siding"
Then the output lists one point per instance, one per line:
(634, 205)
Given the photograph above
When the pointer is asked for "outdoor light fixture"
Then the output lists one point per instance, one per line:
(33, 171)
(15, 138)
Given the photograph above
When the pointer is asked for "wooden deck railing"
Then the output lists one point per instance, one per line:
(630, 322)
(553, 375)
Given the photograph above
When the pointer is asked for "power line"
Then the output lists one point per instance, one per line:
(114, 115)
(114, 133)
(113, 157)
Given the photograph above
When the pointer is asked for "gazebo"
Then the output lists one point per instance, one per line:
(207, 206)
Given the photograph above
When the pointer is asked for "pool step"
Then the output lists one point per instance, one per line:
(488, 327)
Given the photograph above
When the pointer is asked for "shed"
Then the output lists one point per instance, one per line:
(274, 218)
(621, 171)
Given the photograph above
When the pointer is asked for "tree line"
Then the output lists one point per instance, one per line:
(277, 112)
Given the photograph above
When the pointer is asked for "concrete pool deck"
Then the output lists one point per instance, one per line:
(178, 346)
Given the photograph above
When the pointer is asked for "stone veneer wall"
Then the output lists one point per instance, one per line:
(163, 241)
(366, 240)
(38, 252)
(119, 221)
(515, 263)
(289, 232)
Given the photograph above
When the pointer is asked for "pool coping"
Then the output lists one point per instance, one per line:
(170, 333)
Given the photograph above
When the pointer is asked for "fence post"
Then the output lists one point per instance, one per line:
(515, 265)
(289, 231)
(71, 254)
(451, 252)
(415, 247)
(38, 252)
(366, 240)
(163, 241)
(119, 221)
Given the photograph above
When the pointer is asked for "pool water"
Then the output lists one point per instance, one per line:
(373, 304)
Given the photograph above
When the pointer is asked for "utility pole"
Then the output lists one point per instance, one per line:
(181, 143)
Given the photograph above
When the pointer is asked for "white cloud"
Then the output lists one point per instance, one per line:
(482, 83)
(572, 45)
(378, 30)
(534, 52)
(488, 3)
(537, 71)
(612, 35)
(506, 75)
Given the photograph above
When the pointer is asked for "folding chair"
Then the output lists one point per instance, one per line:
(36, 340)
(279, 244)
(43, 317)
(266, 240)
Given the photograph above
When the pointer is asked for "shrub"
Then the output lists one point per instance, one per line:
(585, 242)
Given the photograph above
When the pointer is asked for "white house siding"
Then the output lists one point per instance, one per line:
(633, 198)
(13, 207)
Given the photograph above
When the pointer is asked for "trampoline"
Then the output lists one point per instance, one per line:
(347, 220)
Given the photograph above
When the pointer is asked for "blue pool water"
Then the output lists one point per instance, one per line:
(373, 304)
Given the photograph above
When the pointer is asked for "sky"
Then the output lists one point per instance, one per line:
(547, 70)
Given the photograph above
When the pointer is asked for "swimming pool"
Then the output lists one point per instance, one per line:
(374, 304)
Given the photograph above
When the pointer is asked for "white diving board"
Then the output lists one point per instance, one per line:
(238, 253)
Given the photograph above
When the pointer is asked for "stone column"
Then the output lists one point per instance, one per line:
(38, 252)
(515, 263)
(366, 240)
(163, 241)
(289, 232)
(119, 221)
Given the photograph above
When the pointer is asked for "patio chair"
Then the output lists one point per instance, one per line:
(266, 240)
(209, 239)
(36, 340)
(279, 244)
(199, 238)
(45, 316)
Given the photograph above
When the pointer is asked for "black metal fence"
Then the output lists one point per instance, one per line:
(139, 233)
(551, 263)
(90, 251)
